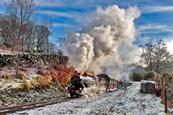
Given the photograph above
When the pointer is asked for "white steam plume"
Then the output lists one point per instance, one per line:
(106, 45)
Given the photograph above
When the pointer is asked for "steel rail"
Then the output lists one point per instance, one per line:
(12, 109)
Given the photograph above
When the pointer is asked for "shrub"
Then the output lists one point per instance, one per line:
(22, 76)
(42, 81)
(27, 85)
(61, 74)
(35, 80)
(149, 75)
(45, 81)
(19, 87)
(136, 76)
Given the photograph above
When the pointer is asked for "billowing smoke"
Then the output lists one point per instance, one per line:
(107, 43)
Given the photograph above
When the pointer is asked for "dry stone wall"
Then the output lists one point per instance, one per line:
(44, 59)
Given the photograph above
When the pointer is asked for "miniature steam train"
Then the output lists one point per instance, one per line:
(102, 81)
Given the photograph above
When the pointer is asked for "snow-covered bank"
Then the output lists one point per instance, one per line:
(119, 102)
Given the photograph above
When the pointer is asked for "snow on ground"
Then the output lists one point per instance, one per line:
(129, 102)
(8, 84)
(6, 52)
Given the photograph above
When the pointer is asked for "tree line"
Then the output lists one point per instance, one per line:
(19, 33)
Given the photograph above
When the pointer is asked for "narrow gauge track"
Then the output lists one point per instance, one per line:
(5, 110)
(12, 109)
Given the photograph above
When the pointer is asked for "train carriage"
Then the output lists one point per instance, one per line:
(106, 82)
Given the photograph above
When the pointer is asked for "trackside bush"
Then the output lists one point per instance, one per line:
(136, 76)
(149, 75)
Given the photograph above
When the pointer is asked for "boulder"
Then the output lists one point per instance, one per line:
(148, 87)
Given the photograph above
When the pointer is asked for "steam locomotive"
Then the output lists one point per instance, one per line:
(102, 81)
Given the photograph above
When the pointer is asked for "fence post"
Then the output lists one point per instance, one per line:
(165, 92)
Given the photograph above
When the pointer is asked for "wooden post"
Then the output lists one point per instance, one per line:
(17, 65)
(162, 81)
(166, 109)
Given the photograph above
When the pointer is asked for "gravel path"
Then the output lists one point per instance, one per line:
(129, 102)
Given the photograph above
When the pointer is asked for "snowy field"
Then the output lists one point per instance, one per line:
(129, 102)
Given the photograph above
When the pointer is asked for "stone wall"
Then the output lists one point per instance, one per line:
(43, 59)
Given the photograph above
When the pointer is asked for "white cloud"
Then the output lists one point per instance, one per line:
(170, 46)
(77, 17)
(147, 29)
(63, 25)
(1, 12)
(54, 13)
(154, 28)
(153, 9)
(48, 3)
(4, 1)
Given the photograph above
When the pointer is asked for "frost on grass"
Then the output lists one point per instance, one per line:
(119, 102)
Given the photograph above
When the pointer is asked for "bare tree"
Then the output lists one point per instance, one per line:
(156, 56)
(48, 46)
(20, 12)
(147, 54)
(18, 32)
(7, 31)
(160, 52)
(42, 35)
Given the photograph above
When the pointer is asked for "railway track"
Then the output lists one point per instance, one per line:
(12, 109)
(5, 110)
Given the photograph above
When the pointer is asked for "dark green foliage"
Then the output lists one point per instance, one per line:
(136, 76)
(149, 75)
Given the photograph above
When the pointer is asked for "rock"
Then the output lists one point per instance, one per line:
(148, 87)
(25, 100)
(19, 95)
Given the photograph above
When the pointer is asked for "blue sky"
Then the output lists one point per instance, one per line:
(154, 22)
